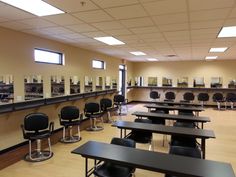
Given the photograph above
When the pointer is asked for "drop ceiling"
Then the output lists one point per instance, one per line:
(182, 29)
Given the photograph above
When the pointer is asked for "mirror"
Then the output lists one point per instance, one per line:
(88, 84)
(129, 82)
(198, 82)
(139, 81)
(74, 85)
(33, 87)
(57, 86)
(6, 89)
(216, 82)
(182, 82)
(107, 82)
(152, 81)
(99, 83)
(232, 83)
(166, 81)
(114, 83)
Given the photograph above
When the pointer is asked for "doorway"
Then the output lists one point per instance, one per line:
(122, 76)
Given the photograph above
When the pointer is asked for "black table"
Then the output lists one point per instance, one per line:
(189, 118)
(168, 130)
(171, 103)
(153, 161)
(179, 108)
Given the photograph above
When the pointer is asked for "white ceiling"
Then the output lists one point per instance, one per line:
(185, 28)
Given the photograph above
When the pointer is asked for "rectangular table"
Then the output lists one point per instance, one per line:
(168, 130)
(189, 118)
(171, 103)
(179, 108)
(153, 161)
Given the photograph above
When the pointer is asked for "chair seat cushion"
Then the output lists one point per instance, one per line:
(38, 135)
(67, 123)
(94, 116)
(113, 170)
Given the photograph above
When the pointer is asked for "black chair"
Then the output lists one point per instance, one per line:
(203, 97)
(92, 111)
(231, 98)
(184, 151)
(140, 136)
(169, 96)
(188, 97)
(109, 169)
(72, 91)
(107, 107)
(35, 128)
(120, 100)
(218, 98)
(154, 95)
(70, 116)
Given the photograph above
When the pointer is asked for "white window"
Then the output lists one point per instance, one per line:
(98, 64)
(46, 56)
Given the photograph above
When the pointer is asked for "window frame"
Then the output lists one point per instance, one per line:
(61, 56)
(103, 64)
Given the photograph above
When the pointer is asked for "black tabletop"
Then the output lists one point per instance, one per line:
(155, 161)
(162, 129)
(175, 103)
(172, 116)
(189, 108)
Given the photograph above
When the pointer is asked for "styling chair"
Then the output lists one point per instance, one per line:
(119, 101)
(219, 99)
(202, 98)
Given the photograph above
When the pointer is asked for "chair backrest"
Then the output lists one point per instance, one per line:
(72, 90)
(217, 97)
(105, 103)
(154, 95)
(61, 90)
(123, 142)
(188, 96)
(143, 121)
(170, 95)
(185, 151)
(91, 108)
(119, 98)
(36, 122)
(231, 97)
(69, 113)
(203, 97)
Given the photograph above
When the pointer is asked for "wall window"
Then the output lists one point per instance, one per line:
(98, 64)
(46, 56)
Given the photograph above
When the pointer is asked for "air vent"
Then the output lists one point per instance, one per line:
(170, 56)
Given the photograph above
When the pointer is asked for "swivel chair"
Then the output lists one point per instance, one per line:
(218, 98)
(188, 97)
(154, 96)
(169, 96)
(106, 107)
(203, 97)
(110, 169)
(120, 100)
(231, 98)
(36, 128)
(92, 111)
(70, 116)
(141, 136)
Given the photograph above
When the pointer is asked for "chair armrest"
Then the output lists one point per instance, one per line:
(51, 127)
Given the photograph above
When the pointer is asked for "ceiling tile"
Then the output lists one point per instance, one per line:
(210, 4)
(15, 25)
(95, 34)
(56, 30)
(118, 32)
(63, 19)
(114, 3)
(171, 18)
(38, 23)
(216, 14)
(127, 12)
(207, 24)
(143, 30)
(73, 5)
(108, 25)
(82, 28)
(165, 7)
(93, 16)
(174, 27)
(137, 22)
(230, 22)
(73, 35)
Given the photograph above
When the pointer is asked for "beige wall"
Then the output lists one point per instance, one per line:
(16, 58)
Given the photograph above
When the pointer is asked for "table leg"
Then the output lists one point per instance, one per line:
(121, 132)
(125, 133)
(202, 125)
(203, 148)
(86, 167)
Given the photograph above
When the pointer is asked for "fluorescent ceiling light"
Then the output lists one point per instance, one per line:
(152, 59)
(36, 7)
(211, 57)
(137, 53)
(229, 31)
(109, 40)
(219, 49)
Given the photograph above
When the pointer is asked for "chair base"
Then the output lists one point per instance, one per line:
(70, 139)
(97, 128)
(38, 156)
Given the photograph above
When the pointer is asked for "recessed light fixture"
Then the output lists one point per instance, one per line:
(218, 49)
(229, 31)
(138, 53)
(109, 40)
(152, 59)
(211, 57)
(36, 7)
